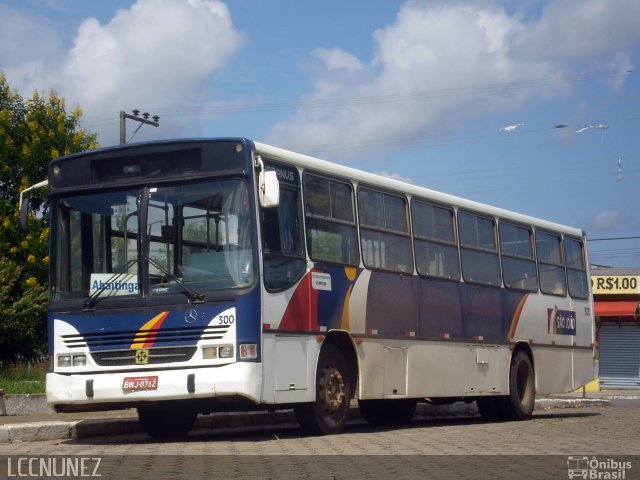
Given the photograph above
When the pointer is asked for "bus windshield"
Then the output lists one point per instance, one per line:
(152, 241)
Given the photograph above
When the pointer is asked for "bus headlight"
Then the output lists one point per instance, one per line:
(72, 360)
(79, 360)
(226, 351)
(209, 352)
(64, 360)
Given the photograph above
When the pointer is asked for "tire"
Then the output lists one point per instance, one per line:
(328, 413)
(166, 422)
(521, 400)
(385, 412)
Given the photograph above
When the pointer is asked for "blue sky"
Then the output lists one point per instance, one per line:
(419, 90)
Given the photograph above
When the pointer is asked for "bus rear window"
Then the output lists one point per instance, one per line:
(550, 265)
(576, 269)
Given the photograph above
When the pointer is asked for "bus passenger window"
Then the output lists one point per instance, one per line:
(550, 265)
(435, 241)
(518, 264)
(576, 269)
(281, 231)
(478, 249)
(331, 229)
(384, 230)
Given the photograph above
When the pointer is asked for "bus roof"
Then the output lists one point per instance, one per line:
(372, 179)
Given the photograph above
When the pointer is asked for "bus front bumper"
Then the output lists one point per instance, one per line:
(99, 391)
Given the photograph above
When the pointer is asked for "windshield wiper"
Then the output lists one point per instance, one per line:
(192, 294)
(94, 298)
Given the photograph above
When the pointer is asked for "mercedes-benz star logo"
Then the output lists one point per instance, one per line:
(190, 315)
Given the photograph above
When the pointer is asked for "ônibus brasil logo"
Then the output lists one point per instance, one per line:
(596, 468)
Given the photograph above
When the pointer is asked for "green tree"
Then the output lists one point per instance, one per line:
(32, 133)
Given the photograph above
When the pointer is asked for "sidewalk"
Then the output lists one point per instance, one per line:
(62, 426)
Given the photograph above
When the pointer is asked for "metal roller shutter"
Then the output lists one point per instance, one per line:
(620, 356)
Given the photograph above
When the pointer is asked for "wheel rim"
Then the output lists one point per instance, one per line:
(331, 389)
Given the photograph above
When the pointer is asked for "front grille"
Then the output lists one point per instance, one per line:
(128, 338)
(114, 358)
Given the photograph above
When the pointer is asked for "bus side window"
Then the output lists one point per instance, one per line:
(283, 252)
(331, 228)
(384, 230)
(435, 241)
(576, 268)
(518, 263)
(550, 265)
(478, 249)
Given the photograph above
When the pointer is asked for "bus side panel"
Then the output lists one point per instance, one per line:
(318, 302)
(289, 368)
(553, 369)
(560, 331)
(399, 305)
(392, 308)
(584, 367)
(431, 369)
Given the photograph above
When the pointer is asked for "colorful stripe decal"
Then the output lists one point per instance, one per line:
(302, 311)
(351, 273)
(148, 332)
(516, 318)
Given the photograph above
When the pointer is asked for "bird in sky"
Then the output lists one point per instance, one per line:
(511, 128)
(593, 125)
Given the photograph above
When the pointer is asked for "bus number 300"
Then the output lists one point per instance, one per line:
(226, 319)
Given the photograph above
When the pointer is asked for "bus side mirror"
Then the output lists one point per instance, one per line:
(25, 203)
(269, 189)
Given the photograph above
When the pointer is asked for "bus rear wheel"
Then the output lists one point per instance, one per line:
(328, 413)
(518, 405)
(387, 411)
(166, 422)
(522, 396)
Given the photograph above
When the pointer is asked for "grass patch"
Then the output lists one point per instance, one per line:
(18, 380)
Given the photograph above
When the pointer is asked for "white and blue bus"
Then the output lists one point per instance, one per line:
(202, 275)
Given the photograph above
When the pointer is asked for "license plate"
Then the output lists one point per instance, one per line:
(136, 384)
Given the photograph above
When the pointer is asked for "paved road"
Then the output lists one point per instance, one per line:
(544, 443)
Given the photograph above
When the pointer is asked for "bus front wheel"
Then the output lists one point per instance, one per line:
(328, 413)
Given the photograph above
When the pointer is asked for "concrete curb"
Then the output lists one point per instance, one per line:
(549, 403)
(57, 430)
(28, 404)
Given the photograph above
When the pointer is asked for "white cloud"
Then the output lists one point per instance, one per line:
(335, 59)
(439, 65)
(27, 44)
(580, 30)
(610, 220)
(25, 38)
(394, 176)
(157, 54)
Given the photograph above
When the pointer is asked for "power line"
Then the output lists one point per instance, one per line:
(374, 99)
(611, 238)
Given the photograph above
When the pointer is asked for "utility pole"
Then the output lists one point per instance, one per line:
(144, 120)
